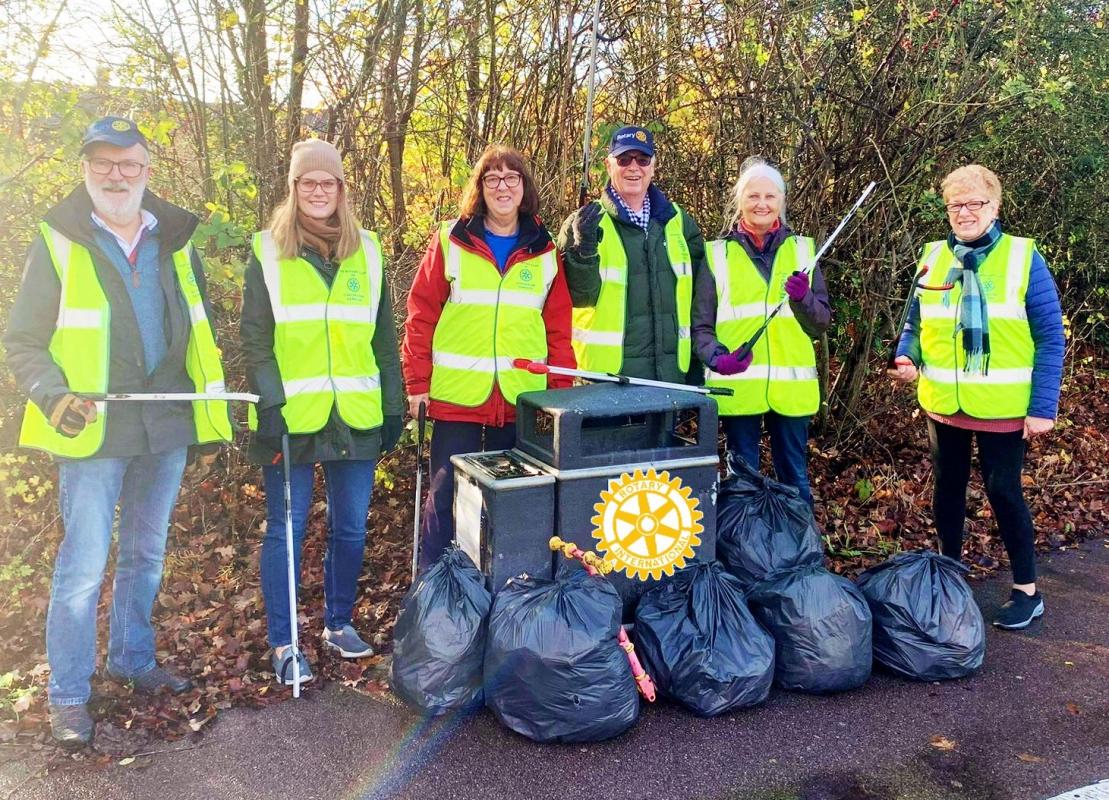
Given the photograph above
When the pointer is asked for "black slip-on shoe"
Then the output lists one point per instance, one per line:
(1019, 612)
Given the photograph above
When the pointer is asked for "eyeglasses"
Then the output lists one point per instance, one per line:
(970, 205)
(624, 159)
(104, 166)
(511, 180)
(308, 186)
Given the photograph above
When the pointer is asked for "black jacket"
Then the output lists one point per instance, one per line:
(337, 441)
(131, 428)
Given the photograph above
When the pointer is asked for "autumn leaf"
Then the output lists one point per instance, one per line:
(1028, 758)
(942, 743)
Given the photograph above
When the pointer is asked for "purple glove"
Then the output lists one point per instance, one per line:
(797, 286)
(731, 364)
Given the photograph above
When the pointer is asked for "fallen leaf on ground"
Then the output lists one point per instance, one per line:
(942, 743)
(1028, 758)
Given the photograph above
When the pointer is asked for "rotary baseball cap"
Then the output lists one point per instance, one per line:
(116, 131)
(631, 137)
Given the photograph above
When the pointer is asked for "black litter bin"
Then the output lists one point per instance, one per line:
(593, 438)
(504, 515)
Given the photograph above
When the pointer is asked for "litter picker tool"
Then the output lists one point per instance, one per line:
(595, 565)
(587, 136)
(918, 287)
(745, 348)
(294, 645)
(421, 427)
(168, 397)
(539, 368)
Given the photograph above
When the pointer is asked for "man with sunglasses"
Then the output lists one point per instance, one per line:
(630, 262)
(112, 300)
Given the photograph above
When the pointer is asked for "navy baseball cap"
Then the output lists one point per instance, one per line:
(117, 131)
(631, 137)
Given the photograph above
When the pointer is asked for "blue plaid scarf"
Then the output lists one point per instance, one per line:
(974, 320)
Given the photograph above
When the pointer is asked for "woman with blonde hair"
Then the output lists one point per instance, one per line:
(988, 353)
(758, 264)
(490, 288)
(320, 348)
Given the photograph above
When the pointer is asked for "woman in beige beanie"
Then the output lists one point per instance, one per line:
(320, 347)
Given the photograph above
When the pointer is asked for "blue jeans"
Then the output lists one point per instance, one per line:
(789, 442)
(349, 487)
(146, 488)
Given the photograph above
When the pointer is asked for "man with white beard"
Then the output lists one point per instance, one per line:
(113, 300)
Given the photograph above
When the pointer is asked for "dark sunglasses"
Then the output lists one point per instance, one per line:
(624, 159)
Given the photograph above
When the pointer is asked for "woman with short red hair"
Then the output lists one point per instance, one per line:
(490, 289)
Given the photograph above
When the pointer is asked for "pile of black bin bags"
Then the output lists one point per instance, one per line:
(699, 643)
(439, 638)
(767, 538)
(926, 624)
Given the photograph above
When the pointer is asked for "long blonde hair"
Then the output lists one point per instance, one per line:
(289, 237)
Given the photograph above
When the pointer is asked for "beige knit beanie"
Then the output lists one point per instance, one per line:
(313, 154)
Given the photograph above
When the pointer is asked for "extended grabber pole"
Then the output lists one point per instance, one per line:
(745, 348)
(595, 565)
(291, 562)
(539, 368)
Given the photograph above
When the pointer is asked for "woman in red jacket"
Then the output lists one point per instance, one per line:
(490, 289)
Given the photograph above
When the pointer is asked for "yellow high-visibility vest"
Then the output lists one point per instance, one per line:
(1005, 391)
(323, 335)
(489, 320)
(782, 376)
(80, 346)
(598, 337)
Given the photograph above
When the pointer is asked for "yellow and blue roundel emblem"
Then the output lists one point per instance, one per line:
(641, 136)
(121, 125)
(353, 284)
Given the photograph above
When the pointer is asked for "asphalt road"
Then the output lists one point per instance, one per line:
(1032, 724)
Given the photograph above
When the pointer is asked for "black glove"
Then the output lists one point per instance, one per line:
(271, 427)
(69, 414)
(587, 229)
(390, 432)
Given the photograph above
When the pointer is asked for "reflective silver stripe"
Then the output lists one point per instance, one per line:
(613, 338)
(307, 386)
(464, 362)
(683, 332)
(197, 314)
(932, 256)
(452, 268)
(79, 318)
(62, 248)
(718, 255)
(805, 254)
(762, 372)
(271, 274)
(309, 312)
(215, 387)
(550, 270)
(344, 313)
(747, 310)
(614, 274)
(1014, 274)
(363, 383)
(995, 376)
(373, 256)
(489, 297)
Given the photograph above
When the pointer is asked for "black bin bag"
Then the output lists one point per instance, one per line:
(926, 624)
(699, 643)
(762, 526)
(439, 638)
(821, 627)
(554, 671)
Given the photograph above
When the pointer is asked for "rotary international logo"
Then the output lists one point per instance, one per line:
(120, 125)
(353, 284)
(641, 136)
(647, 524)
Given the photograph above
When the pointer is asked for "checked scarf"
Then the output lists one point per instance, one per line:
(974, 321)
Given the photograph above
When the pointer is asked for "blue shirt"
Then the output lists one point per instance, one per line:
(502, 246)
(147, 299)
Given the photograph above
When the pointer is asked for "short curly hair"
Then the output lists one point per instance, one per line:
(970, 178)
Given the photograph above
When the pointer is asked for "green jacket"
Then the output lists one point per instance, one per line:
(651, 327)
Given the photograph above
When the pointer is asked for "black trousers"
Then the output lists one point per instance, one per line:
(1001, 460)
(449, 439)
